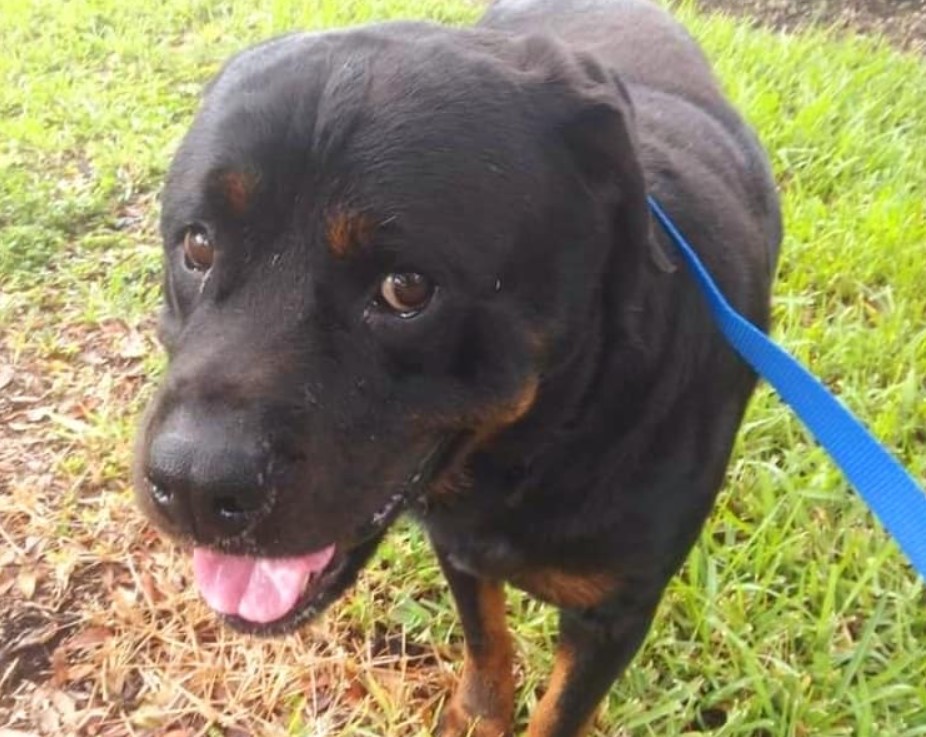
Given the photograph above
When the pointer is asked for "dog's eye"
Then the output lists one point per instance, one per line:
(198, 251)
(406, 293)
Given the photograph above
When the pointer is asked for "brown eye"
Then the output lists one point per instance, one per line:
(406, 293)
(198, 252)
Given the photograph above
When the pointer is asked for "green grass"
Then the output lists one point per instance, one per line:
(794, 615)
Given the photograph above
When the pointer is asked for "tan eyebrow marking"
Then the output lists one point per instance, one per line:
(237, 188)
(346, 230)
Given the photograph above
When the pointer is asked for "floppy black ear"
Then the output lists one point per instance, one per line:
(599, 131)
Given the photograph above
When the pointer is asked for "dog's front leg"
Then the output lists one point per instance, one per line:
(483, 704)
(595, 645)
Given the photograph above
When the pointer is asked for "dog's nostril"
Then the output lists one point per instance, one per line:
(230, 507)
(160, 493)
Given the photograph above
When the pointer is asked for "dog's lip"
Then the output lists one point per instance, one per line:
(324, 586)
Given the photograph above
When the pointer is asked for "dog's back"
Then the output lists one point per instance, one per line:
(677, 100)
(635, 37)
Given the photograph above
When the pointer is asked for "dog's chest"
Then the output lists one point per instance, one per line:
(474, 545)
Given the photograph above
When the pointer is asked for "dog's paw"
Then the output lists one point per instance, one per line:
(483, 703)
(459, 721)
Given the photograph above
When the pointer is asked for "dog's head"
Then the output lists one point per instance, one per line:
(378, 246)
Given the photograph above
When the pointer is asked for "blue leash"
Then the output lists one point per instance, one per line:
(883, 483)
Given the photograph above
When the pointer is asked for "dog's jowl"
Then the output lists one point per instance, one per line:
(411, 267)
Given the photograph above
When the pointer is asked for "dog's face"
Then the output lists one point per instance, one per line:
(366, 280)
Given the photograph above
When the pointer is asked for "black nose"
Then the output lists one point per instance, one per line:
(207, 482)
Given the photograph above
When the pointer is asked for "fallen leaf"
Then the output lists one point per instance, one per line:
(354, 693)
(6, 585)
(26, 581)
(78, 427)
(65, 705)
(60, 671)
(49, 721)
(149, 588)
(23, 399)
(92, 358)
(80, 672)
(6, 375)
(89, 638)
(39, 414)
(148, 716)
(133, 346)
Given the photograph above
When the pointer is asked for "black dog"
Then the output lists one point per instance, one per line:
(410, 266)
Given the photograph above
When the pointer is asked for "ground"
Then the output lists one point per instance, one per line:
(792, 617)
(903, 21)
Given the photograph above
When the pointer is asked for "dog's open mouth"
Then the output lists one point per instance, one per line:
(259, 590)
(271, 595)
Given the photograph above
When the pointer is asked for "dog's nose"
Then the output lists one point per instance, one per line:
(204, 483)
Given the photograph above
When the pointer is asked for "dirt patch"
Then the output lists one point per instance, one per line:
(902, 22)
(30, 636)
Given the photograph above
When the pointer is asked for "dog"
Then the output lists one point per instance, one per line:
(411, 268)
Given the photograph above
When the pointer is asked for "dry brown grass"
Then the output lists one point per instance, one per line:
(102, 632)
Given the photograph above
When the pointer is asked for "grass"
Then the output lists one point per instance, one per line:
(794, 614)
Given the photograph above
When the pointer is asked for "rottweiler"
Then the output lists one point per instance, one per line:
(411, 268)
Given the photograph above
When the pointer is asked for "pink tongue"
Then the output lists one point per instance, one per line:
(256, 589)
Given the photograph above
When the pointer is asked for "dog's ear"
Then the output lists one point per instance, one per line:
(596, 118)
(602, 138)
